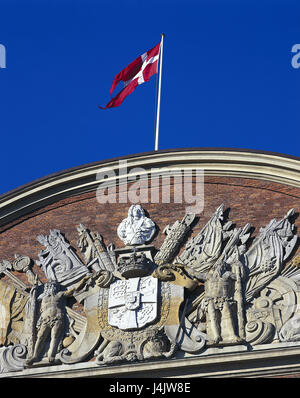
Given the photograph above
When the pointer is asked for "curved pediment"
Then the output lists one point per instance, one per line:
(178, 257)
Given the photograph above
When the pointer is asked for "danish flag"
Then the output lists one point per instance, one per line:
(137, 72)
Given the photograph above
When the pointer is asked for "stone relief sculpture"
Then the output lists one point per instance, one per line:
(219, 306)
(51, 321)
(94, 250)
(175, 236)
(58, 261)
(136, 229)
(132, 303)
(213, 289)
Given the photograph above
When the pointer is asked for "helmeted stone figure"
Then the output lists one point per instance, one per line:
(219, 306)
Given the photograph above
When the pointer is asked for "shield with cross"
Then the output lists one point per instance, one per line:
(132, 303)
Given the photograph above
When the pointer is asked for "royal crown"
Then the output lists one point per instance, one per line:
(135, 265)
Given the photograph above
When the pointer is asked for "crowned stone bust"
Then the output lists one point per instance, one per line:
(136, 229)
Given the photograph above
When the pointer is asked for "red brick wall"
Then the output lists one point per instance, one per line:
(253, 201)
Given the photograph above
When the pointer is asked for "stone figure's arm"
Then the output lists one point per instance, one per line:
(77, 287)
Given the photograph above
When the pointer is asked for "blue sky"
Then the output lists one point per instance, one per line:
(227, 80)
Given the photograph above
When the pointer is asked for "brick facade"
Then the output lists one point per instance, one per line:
(248, 201)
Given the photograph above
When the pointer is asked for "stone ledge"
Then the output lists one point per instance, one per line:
(263, 361)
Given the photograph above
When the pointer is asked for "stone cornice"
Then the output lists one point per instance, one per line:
(221, 162)
(263, 361)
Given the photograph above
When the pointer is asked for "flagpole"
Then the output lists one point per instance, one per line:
(159, 93)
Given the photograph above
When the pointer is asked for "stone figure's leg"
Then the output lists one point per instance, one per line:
(43, 333)
(99, 353)
(56, 336)
(213, 326)
(228, 325)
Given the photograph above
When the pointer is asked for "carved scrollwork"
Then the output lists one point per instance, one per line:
(259, 332)
(12, 358)
(175, 273)
(165, 272)
(104, 278)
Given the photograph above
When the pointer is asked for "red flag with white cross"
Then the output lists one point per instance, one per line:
(137, 72)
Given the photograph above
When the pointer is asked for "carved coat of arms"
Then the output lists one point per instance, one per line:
(218, 288)
(132, 303)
